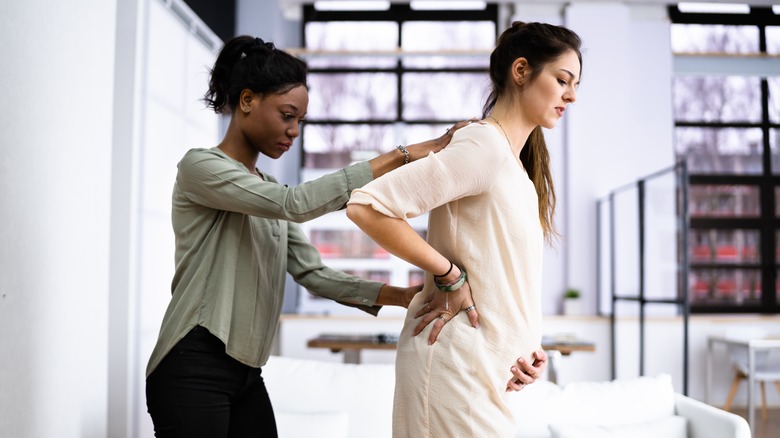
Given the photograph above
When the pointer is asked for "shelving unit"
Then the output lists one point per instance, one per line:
(732, 257)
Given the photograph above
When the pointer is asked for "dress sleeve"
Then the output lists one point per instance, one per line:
(306, 268)
(466, 167)
(208, 178)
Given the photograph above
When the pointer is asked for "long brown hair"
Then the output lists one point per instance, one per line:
(539, 44)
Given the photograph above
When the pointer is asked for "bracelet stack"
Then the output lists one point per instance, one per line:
(401, 148)
(453, 286)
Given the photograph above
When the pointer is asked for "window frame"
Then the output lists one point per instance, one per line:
(398, 13)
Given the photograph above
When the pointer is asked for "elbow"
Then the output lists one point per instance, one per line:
(355, 213)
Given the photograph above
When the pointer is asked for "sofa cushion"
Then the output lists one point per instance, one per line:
(530, 408)
(613, 403)
(364, 392)
(668, 427)
(301, 425)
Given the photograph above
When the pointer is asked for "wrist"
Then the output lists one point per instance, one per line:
(404, 152)
(452, 281)
(418, 150)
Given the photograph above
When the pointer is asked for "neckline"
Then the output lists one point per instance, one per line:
(511, 151)
(502, 130)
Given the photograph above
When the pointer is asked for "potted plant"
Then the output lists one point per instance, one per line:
(572, 302)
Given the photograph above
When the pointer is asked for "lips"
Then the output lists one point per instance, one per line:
(560, 110)
(285, 146)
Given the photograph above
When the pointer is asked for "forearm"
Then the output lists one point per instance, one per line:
(397, 237)
(396, 158)
(395, 296)
(388, 161)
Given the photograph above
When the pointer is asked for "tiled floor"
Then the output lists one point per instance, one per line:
(764, 429)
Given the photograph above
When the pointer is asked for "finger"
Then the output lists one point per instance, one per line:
(459, 125)
(514, 385)
(423, 310)
(426, 309)
(424, 321)
(524, 372)
(436, 329)
(540, 358)
(473, 315)
(427, 306)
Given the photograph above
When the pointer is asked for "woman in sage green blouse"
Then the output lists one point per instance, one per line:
(236, 239)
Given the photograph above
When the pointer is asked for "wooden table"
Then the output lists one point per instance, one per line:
(352, 345)
(562, 346)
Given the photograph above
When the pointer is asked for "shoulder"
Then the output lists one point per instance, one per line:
(480, 137)
(197, 155)
(209, 160)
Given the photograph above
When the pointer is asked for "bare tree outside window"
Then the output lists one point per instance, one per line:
(699, 38)
(773, 40)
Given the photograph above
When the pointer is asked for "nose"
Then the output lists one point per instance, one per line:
(570, 95)
(293, 131)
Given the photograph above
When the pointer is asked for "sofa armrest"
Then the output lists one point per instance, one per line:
(705, 421)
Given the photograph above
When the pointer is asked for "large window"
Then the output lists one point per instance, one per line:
(379, 79)
(727, 125)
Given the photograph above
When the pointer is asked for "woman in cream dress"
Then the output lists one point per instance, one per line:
(491, 204)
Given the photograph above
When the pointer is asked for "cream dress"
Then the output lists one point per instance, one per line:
(484, 217)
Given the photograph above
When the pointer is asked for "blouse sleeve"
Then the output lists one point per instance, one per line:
(466, 167)
(306, 268)
(208, 178)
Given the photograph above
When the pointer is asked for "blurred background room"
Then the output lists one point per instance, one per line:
(667, 172)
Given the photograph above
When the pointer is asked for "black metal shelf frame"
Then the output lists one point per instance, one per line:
(682, 296)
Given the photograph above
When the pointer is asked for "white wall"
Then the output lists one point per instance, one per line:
(620, 129)
(90, 143)
(55, 177)
(171, 118)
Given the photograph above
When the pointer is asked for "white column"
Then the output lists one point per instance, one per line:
(55, 174)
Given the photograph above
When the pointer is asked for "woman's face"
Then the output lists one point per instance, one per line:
(275, 121)
(547, 95)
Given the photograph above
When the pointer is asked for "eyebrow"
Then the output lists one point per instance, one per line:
(290, 106)
(571, 75)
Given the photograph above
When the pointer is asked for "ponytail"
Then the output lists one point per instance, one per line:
(251, 63)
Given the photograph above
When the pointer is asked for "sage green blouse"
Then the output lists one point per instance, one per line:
(236, 237)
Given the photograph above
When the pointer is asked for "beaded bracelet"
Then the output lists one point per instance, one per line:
(401, 148)
(450, 287)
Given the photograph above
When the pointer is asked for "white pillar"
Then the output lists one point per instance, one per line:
(55, 174)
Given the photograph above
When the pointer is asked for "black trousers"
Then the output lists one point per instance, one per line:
(200, 391)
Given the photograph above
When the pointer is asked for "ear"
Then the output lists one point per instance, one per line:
(245, 100)
(521, 71)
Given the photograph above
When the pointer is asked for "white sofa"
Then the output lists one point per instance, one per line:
(335, 400)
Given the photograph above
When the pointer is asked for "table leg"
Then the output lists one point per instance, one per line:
(351, 355)
(708, 372)
(552, 372)
(751, 385)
